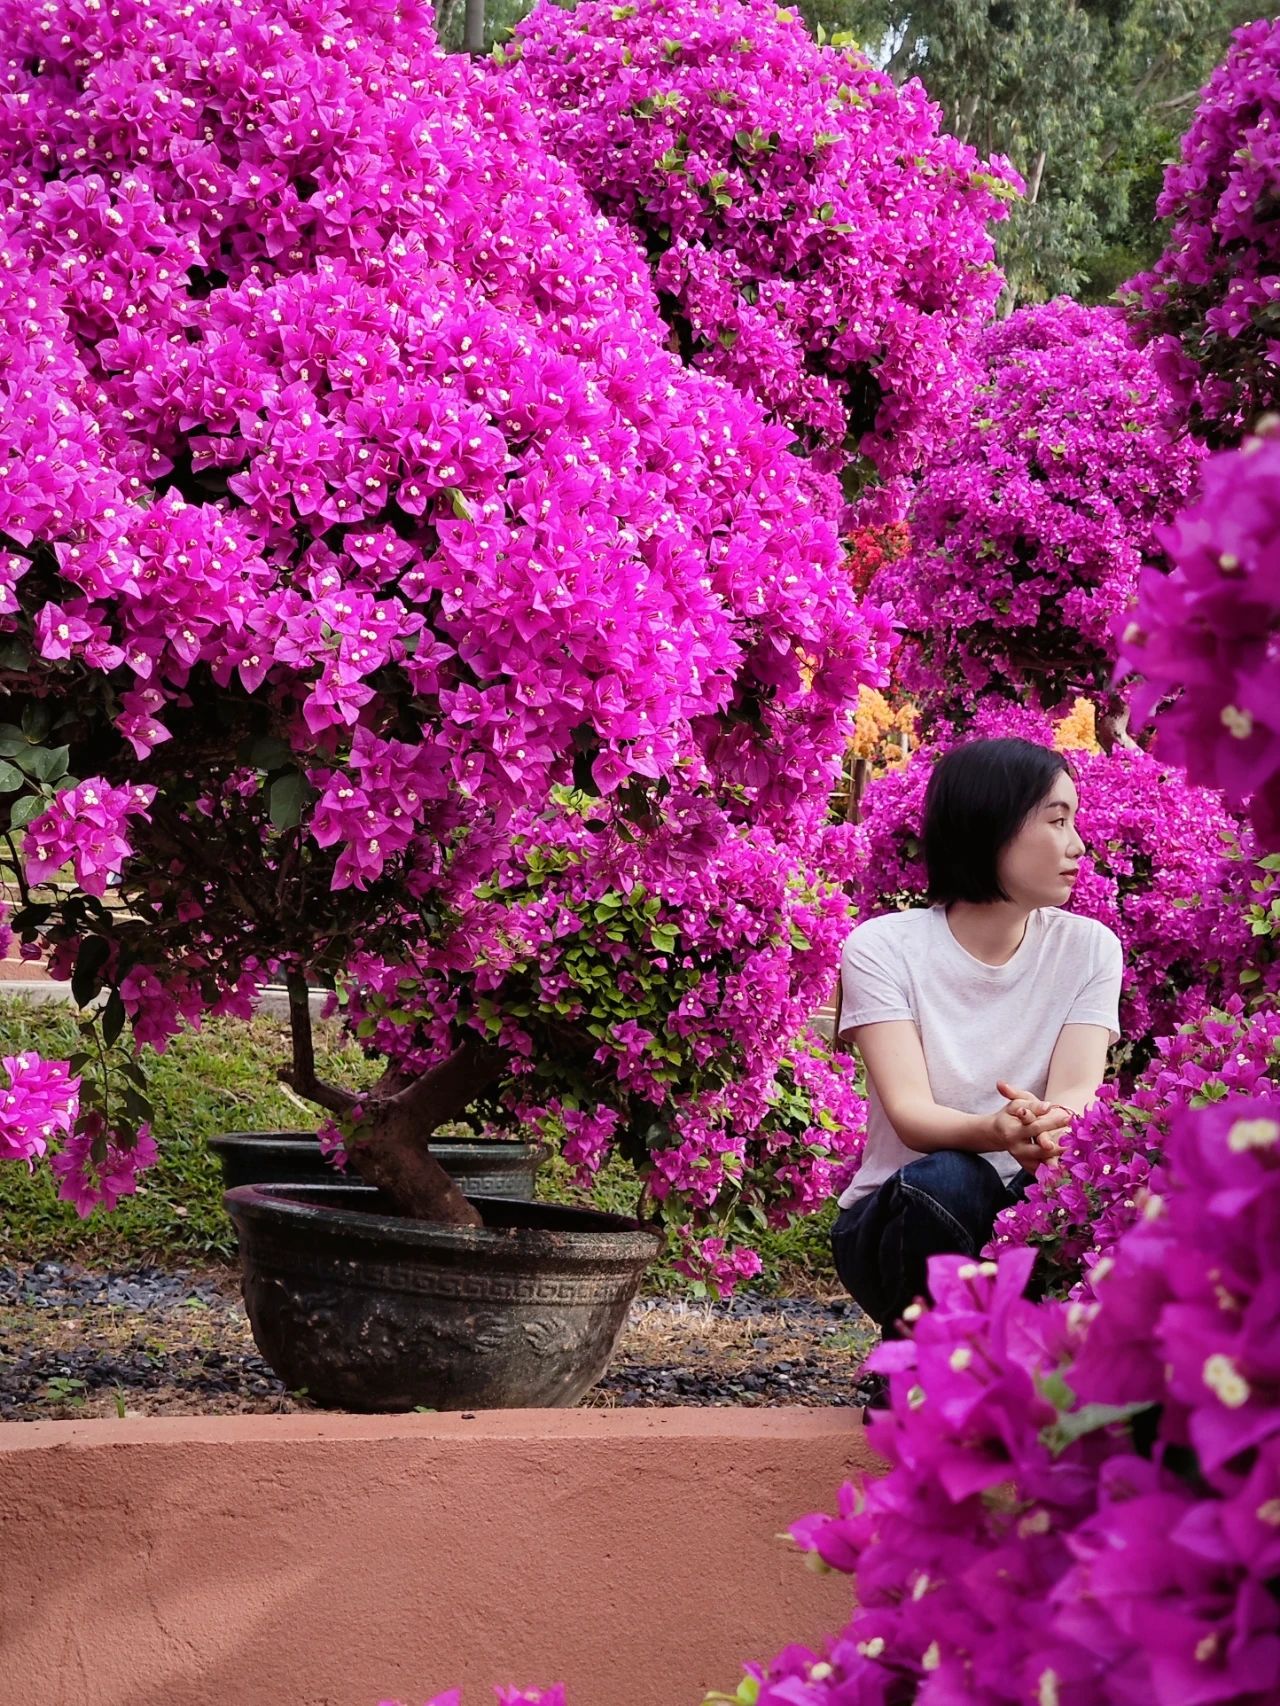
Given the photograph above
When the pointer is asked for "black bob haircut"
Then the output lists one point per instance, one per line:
(979, 796)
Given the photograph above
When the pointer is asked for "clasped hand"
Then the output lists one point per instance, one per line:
(1025, 1127)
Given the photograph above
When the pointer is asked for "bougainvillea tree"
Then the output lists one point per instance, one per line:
(814, 236)
(1030, 525)
(1168, 867)
(353, 511)
(1212, 300)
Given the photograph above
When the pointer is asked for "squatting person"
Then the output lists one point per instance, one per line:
(983, 1021)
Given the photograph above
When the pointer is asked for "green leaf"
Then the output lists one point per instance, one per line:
(113, 1017)
(461, 508)
(1088, 1419)
(37, 718)
(12, 741)
(47, 763)
(23, 810)
(285, 800)
(86, 979)
(11, 778)
(269, 753)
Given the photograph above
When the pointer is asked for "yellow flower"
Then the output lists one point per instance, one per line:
(1078, 730)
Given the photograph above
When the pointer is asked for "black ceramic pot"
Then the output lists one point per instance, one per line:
(489, 1169)
(369, 1311)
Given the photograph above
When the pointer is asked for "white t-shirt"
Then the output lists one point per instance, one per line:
(977, 1023)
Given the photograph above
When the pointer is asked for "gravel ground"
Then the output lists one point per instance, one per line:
(151, 1342)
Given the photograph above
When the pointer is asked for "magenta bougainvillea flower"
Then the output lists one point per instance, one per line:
(1082, 1502)
(814, 236)
(1205, 640)
(1211, 299)
(1031, 523)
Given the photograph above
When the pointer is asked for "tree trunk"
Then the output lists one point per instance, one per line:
(473, 27)
(390, 1140)
(391, 1153)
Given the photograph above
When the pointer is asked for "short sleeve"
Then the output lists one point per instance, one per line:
(1097, 1001)
(873, 986)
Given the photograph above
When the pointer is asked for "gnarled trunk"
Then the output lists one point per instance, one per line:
(390, 1147)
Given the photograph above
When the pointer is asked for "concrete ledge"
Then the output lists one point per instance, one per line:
(340, 1560)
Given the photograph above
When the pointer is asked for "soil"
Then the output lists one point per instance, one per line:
(152, 1342)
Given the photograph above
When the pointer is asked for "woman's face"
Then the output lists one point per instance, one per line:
(1037, 868)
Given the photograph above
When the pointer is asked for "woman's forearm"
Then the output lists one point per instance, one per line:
(926, 1126)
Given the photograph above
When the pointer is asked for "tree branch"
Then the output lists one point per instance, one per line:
(301, 1075)
(445, 1089)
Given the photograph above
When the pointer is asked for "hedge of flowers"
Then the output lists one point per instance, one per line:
(1031, 523)
(1169, 868)
(814, 237)
(351, 503)
(1213, 298)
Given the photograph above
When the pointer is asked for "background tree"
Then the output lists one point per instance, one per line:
(1086, 97)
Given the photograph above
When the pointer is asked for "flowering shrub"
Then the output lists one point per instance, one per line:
(1081, 1503)
(646, 1006)
(1030, 525)
(351, 503)
(1211, 298)
(1074, 1213)
(1166, 868)
(870, 548)
(1206, 639)
(813, 237)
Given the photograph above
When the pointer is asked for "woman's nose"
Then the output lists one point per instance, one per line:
(1077, 849)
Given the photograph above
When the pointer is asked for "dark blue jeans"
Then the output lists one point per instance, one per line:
(944, 1204)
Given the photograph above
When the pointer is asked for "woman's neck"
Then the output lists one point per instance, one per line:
(992, 933)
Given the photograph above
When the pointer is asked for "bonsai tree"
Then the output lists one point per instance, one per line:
(1209, 303)
(1030, 525)
(353, 510)
(814, 236)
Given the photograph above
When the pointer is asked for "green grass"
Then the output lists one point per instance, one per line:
(223, 1078)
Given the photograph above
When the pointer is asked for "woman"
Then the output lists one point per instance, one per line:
(983, 1021)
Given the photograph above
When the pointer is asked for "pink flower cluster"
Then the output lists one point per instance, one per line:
(87, 827)
(39, 1105)
(1031, 523)
(1163, 869)
(1206, 639)
(100, 1163)
(814, 237)
(1076, 1211)
(1211, 299)
(1082, 1505)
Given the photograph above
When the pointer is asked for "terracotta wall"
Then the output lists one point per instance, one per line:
(337, 1561)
